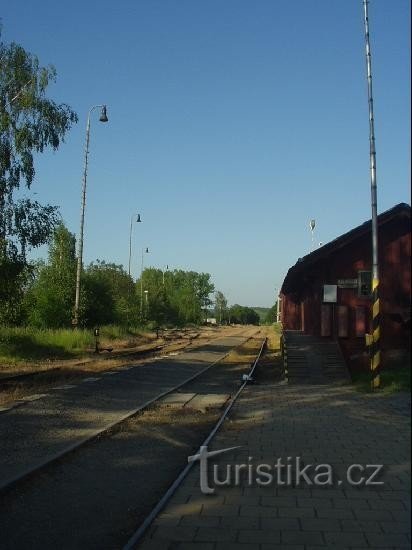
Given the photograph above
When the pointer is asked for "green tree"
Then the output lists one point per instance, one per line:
(243, 315)
(108, 295)
(50, 299)
(29, 123)
(271, 315)
(181, 299)
(220, 306)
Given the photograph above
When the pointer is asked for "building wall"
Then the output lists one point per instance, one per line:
(303, 310)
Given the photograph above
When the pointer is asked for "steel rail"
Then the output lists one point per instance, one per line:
(138, 534)
(13, 481)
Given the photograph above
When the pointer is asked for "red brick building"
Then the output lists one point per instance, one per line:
(327, 292)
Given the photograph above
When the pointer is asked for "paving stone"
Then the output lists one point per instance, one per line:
(387, 504)
(200, 521)
(347, 503)
(396, 527)
(150, 544)
(281, 524)
(239, 499)
(237, 546)
(309, 502)
(301, 537)
(195, 546)
(377, 540)
(181, 533)
(259, 536)
(296, 512)
(221, 510)
(339, 539)
(378, 515)
(258, 511)
(320, 524)
(216, 534)
(341, 513)
(361, 526)
(402, 516)
(244, 522)
(184, 509)
(288, 502)
(167, 520)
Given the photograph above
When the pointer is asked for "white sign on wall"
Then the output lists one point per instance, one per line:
(330, 294)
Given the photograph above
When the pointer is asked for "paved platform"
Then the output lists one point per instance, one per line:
(332, 425)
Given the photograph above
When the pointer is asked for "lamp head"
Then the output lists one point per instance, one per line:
(103, 115)
(138, 220)
(312, 224)
(147, 250)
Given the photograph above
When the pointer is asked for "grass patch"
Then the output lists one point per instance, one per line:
(20, 344)
(24, 343)
(392, 380)
(273, 333)
(116, 332)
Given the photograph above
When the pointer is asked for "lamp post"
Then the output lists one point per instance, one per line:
(146, 294)
(102, 118)
(138, 220)
(312, 229)
(144, 251)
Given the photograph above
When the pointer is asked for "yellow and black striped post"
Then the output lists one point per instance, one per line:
(375, 352)
(373, 339)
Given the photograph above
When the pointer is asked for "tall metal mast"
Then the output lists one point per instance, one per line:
(374, 343)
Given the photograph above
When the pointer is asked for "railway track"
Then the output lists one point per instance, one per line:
(141, 530)
(15, 389)
(28, 479)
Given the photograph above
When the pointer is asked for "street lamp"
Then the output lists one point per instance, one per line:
(146, 294)
(312, 224)
(144, 251)
(138, 220)
(102, 118)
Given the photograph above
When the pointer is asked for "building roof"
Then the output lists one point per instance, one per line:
(398, 211)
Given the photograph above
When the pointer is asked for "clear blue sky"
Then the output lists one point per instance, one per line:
(232, 124)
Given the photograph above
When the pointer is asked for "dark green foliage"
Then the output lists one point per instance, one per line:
(174, 297)
(98, 304)
(243, 315)
(49, 301)
(15, 278)
(108, 295)
(271, 315)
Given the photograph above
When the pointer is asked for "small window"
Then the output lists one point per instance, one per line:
(365, 283)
